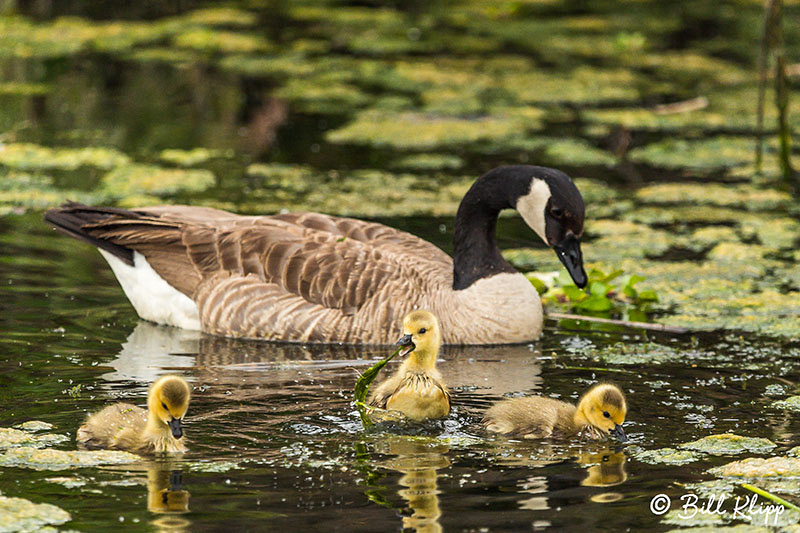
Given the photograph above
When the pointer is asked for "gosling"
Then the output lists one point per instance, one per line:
(123, 426)
(600, 412)
(416, 390)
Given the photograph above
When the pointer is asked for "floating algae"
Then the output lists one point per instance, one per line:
(191, 158)
(218, 41)
(70, 482)
(217, 467)
(667, 456)
(423, 131)
(134, 180)
(745, 196)
(50, 459)
(729, 444)
(34, 425)
(757, 467)
(19, 514)
(28, 156)
(792, 403)
(14, 438)
(706, 154)
(424, 162)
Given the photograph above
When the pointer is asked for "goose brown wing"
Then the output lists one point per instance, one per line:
(336, 263)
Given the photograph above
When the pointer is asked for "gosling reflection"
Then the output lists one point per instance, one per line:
(607, 468)
(165, 493)
(419, 462)
(167, 498)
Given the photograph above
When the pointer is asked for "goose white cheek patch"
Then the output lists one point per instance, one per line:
(532, 205)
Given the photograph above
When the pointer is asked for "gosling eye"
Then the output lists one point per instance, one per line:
(164, 406)
(605, 414)
(556, 212)
(422, 330)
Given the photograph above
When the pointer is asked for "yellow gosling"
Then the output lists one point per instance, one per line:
(600, 412)
(123, 426)
(416, 389)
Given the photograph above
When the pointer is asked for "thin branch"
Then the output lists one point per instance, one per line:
(623, 323)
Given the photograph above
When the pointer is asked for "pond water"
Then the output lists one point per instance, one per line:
(389, 112)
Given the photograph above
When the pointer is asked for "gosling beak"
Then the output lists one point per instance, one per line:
(406, 342)
(175, 426)
(569, 252)
(619, 433)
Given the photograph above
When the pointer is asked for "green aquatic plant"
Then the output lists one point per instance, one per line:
(19, 514)
(362, 387)
(131, 180)
(29, 156)
(668, 456)
(602, 295)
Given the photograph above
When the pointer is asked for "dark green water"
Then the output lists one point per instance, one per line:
(282, 415)
(274, 441)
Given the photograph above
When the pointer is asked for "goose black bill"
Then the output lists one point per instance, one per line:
(176, 428)
(619, 433)
(569, 253)
(406, 342)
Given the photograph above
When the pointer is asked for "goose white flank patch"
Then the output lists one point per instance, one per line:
(309, 277)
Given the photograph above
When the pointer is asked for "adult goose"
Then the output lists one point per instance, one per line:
(308, 277)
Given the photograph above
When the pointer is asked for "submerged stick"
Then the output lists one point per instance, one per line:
(624, 323)
(770, 496)
(362, 387)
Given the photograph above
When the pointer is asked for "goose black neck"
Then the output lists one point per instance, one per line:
(475, 253)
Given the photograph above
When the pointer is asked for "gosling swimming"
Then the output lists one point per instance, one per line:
(123, 426)
(600, 412)
(416, 390)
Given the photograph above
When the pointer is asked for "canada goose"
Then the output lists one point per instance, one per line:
(600, 412)
(123, 426)
(416, 389)
(308, 277)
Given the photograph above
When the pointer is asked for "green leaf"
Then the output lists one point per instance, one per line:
(596, 274)
(629, 291)
(541, 288)
(633, 280)
(613, 275)
(598, 288)
(574, 293)
(362, 386)
(648, 296)
(595, 303)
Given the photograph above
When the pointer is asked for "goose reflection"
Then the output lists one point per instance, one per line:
(419, 460)
(151, 350)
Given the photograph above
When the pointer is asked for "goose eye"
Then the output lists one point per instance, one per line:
(605, 414)
(422, 330)
(164, 405)
(557, 212)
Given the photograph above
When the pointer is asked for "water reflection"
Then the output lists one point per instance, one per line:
(607, 468)
(151, 350)
(166, 496)
(419, 460)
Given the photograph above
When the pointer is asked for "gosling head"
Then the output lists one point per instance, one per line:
(168, 401)
(604, 408)
(553, 207)
(421, 335)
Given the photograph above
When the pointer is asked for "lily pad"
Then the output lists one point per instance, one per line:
(729, 444)
(429, 162)
(191, 158)
(706, 154)
(744, 196)
(218, 41)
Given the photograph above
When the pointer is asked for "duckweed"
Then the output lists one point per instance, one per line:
(729, 444)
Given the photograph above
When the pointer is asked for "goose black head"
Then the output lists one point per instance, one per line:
(554, 209)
